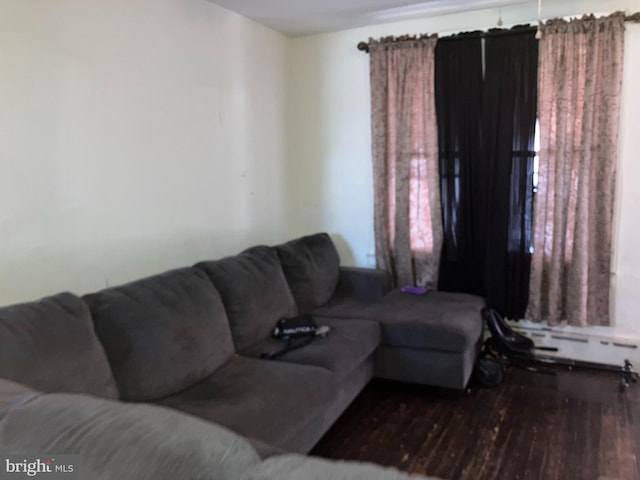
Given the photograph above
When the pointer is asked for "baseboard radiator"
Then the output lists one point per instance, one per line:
(576, 346)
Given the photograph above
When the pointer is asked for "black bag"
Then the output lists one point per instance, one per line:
(489, 372)
(296, 327)
(303, 328)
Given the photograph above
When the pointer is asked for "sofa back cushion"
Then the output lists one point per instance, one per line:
(254, 291)
(312, 266)
(125, 441)
(50, 345)
(163, 333)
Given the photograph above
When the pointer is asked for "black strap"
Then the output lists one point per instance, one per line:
(289, 346)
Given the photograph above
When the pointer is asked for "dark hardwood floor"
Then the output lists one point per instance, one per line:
(575, 425)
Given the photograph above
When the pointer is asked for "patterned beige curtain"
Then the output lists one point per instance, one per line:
(580, 77)
(408, 224)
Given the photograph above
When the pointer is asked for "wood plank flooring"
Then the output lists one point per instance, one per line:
(575, 425)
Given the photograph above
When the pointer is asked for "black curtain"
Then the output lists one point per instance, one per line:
(458, 87)
(488, 144)
(510, 107)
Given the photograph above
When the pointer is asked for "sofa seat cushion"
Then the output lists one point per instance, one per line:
(312, 267)
(254, 291)
(124, 441)
(298, 467)
(443, 321)
(349, 343)
(275, 402)
(163, 333)
(50, 345)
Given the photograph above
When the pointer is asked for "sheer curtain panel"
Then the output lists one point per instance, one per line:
(580, 78)
(408, 225)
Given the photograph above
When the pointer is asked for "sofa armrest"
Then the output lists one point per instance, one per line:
(265, 450)
(365, 284)
(13, 394)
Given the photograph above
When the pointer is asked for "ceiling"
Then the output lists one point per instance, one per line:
(305, 17)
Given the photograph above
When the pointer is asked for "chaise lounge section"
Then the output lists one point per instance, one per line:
(431, 339)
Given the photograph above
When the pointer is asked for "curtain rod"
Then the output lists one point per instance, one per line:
(364, 46)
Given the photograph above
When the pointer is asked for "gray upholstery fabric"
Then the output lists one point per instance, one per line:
(264, 449)
(311, 265)
(50, 345)
(297, 467)
(346, 390)
(276, 402)
(343, 307)
(427, 367)
(163, 333)
(365, 284)
(254, 291)
(122, 441)
(348, 344)
(12, 394)
(449, 322)
(357, 289)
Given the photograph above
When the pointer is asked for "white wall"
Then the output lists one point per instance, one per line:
(329, 153)
(141, 135)
(135, 136)
(626, 281)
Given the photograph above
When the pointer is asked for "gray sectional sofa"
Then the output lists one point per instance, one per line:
(189, 341)
(138, 441)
